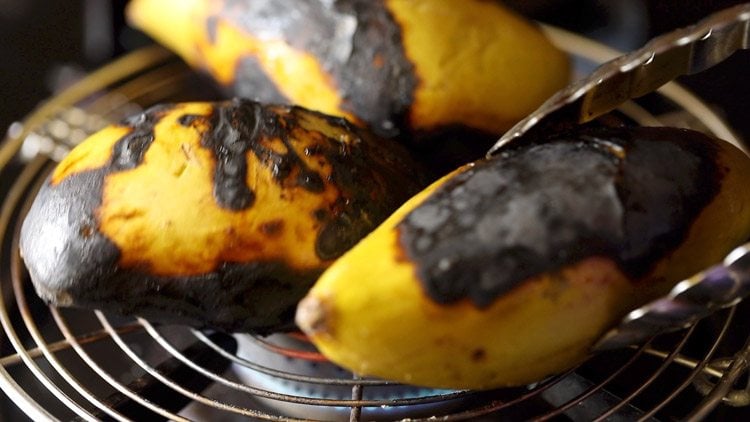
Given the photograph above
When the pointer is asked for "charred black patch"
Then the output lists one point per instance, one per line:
(60, 243)
(362, 173)
(320, 214)
(237, 297)
(311, 181)
(378, 64)
(233, 131)
(314, 150)
(357, 42)
(368, 175)
(681, 177)
(128, 152)
(289, 168)
(630, 194)
(66, 214)
(338, 235)
(478, 355)
(272, 228)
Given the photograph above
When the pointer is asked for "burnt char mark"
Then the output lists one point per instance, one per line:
(73, 248)
(257, 297)
(251, 81)
(128, 152)
(478, 355)
(681, 176)
(343, 228)
(368, 174)
(188, 119)
(239, 127)
(60, 242)
(289, 169)
(319, 214)
(272, 228)
(488, 229)
(347, 220)
(378, 64)
(357, 42)
(630, 194)
(311, 181)
(234, 128)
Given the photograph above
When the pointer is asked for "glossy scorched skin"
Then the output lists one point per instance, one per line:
(210, 214)
(507, 270)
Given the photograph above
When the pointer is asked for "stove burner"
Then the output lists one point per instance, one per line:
(297, 369)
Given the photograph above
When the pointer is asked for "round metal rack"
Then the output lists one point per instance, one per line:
(87, 365)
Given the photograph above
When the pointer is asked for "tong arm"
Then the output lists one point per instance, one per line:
(718, 287)
(684, 51)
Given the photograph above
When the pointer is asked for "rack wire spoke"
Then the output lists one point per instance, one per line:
(699, 367)
(299, 399)
(9, 206)
(246, 363)
(654, 375)
(85, 338)
(108, 378)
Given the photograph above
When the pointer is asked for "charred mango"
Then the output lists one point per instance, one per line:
(395, 65)
(209, 214)
(508, 270)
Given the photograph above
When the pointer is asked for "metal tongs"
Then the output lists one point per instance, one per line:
(684, 51)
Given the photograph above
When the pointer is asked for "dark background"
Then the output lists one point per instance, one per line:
(45, 45)
(726, 87)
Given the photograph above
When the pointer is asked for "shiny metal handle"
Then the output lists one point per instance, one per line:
(718, 287)
(684, 51)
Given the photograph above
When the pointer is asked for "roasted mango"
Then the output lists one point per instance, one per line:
(210, 214)
(415, 66)
(508, 270)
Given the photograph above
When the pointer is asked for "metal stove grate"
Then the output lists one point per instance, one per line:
(75, 364)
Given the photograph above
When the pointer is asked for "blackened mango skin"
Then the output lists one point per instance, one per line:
(210, 214)
(508, 270)
(630, 194)
(423, 69)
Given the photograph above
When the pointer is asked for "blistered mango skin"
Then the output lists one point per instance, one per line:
(210, 214)
(415, 67)
(507, 271)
